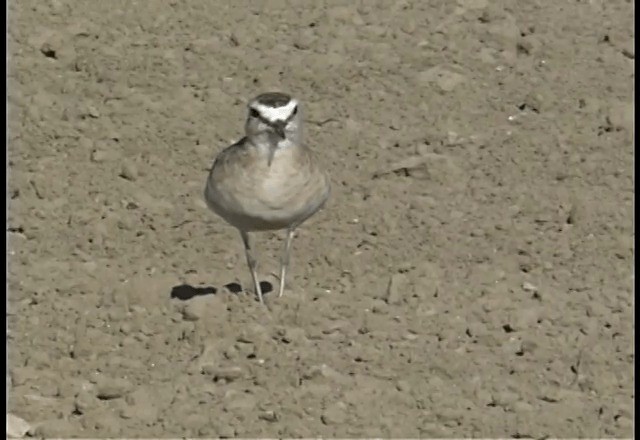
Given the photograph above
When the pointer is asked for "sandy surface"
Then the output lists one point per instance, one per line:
(471, 276)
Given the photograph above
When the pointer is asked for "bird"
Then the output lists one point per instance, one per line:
(269, 180)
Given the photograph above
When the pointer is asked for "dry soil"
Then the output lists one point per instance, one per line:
(472, 274)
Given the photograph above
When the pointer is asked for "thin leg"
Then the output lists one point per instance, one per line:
(284, 261)
(251, 262)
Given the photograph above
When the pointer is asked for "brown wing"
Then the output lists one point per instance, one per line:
(229, 155)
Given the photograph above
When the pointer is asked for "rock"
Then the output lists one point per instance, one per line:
(445, 79)
(409, 26)
(528, 45)
(292, 335)
(239, 38)
(483, 396)
(109, 388)
(527, 346)
(550, 395)
(379, 307)
(438, 168)
(525, 318)
(322, 372)
(487, 55)
(403, 386)
(628, 49)
(576, 212)
(449, 417)
(269, 416)
(505, 31)
(396, 289)
(16, 426)
(625, 423)
(54, 45)
(252, 333)
(57, 7)
(193, 310)
(198, 307)
(142, 406)
(22, 375)
(59, 428)
(343, 14)
(93, 112)
(511, 346)
(522, 407)
(98, 156)
(149, 202)
(528, 287)
(474, 4)
(108, 424)
(224, 430)
(85, 402)
(210, 356)
(537, 101)
(129, 171)
(505, 399)
(235, 401)
(620, 116)
(42, 188)
(334, 414)
(305, 39)
(228, 374)
(195, 421)
(49, 50)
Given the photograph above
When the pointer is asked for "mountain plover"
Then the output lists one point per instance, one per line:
(268, 180)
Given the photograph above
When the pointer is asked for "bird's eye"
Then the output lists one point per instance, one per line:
(295, 111)
(254, 113)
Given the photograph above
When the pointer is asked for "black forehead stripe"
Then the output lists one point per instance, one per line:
(274, 99)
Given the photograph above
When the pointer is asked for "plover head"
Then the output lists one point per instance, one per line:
(274, 115)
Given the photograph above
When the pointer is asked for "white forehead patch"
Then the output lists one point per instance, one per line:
(275, 113)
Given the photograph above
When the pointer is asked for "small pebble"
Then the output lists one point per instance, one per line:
(528, 346)
(58, 428)
(16, 426)
(621, 116)
(395, 288)
(322, 371)
(228, 374)
(93, 112)
(403, 386)
(85, 401)
(98, 156)
(520, 407)
(379, 307)
(108, 388)
(224, 430)
(129, 171)
(505, 398)
(192, 312)
(269, 416)
(334, 414)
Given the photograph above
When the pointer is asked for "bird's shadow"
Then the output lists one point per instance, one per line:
(185, 292)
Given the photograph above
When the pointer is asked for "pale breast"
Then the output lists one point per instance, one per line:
(251, 195)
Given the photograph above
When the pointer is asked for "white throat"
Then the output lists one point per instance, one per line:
(276, 113)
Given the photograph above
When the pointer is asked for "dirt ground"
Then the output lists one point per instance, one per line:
(471, 275)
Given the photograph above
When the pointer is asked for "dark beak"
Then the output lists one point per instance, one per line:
(279, 127)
